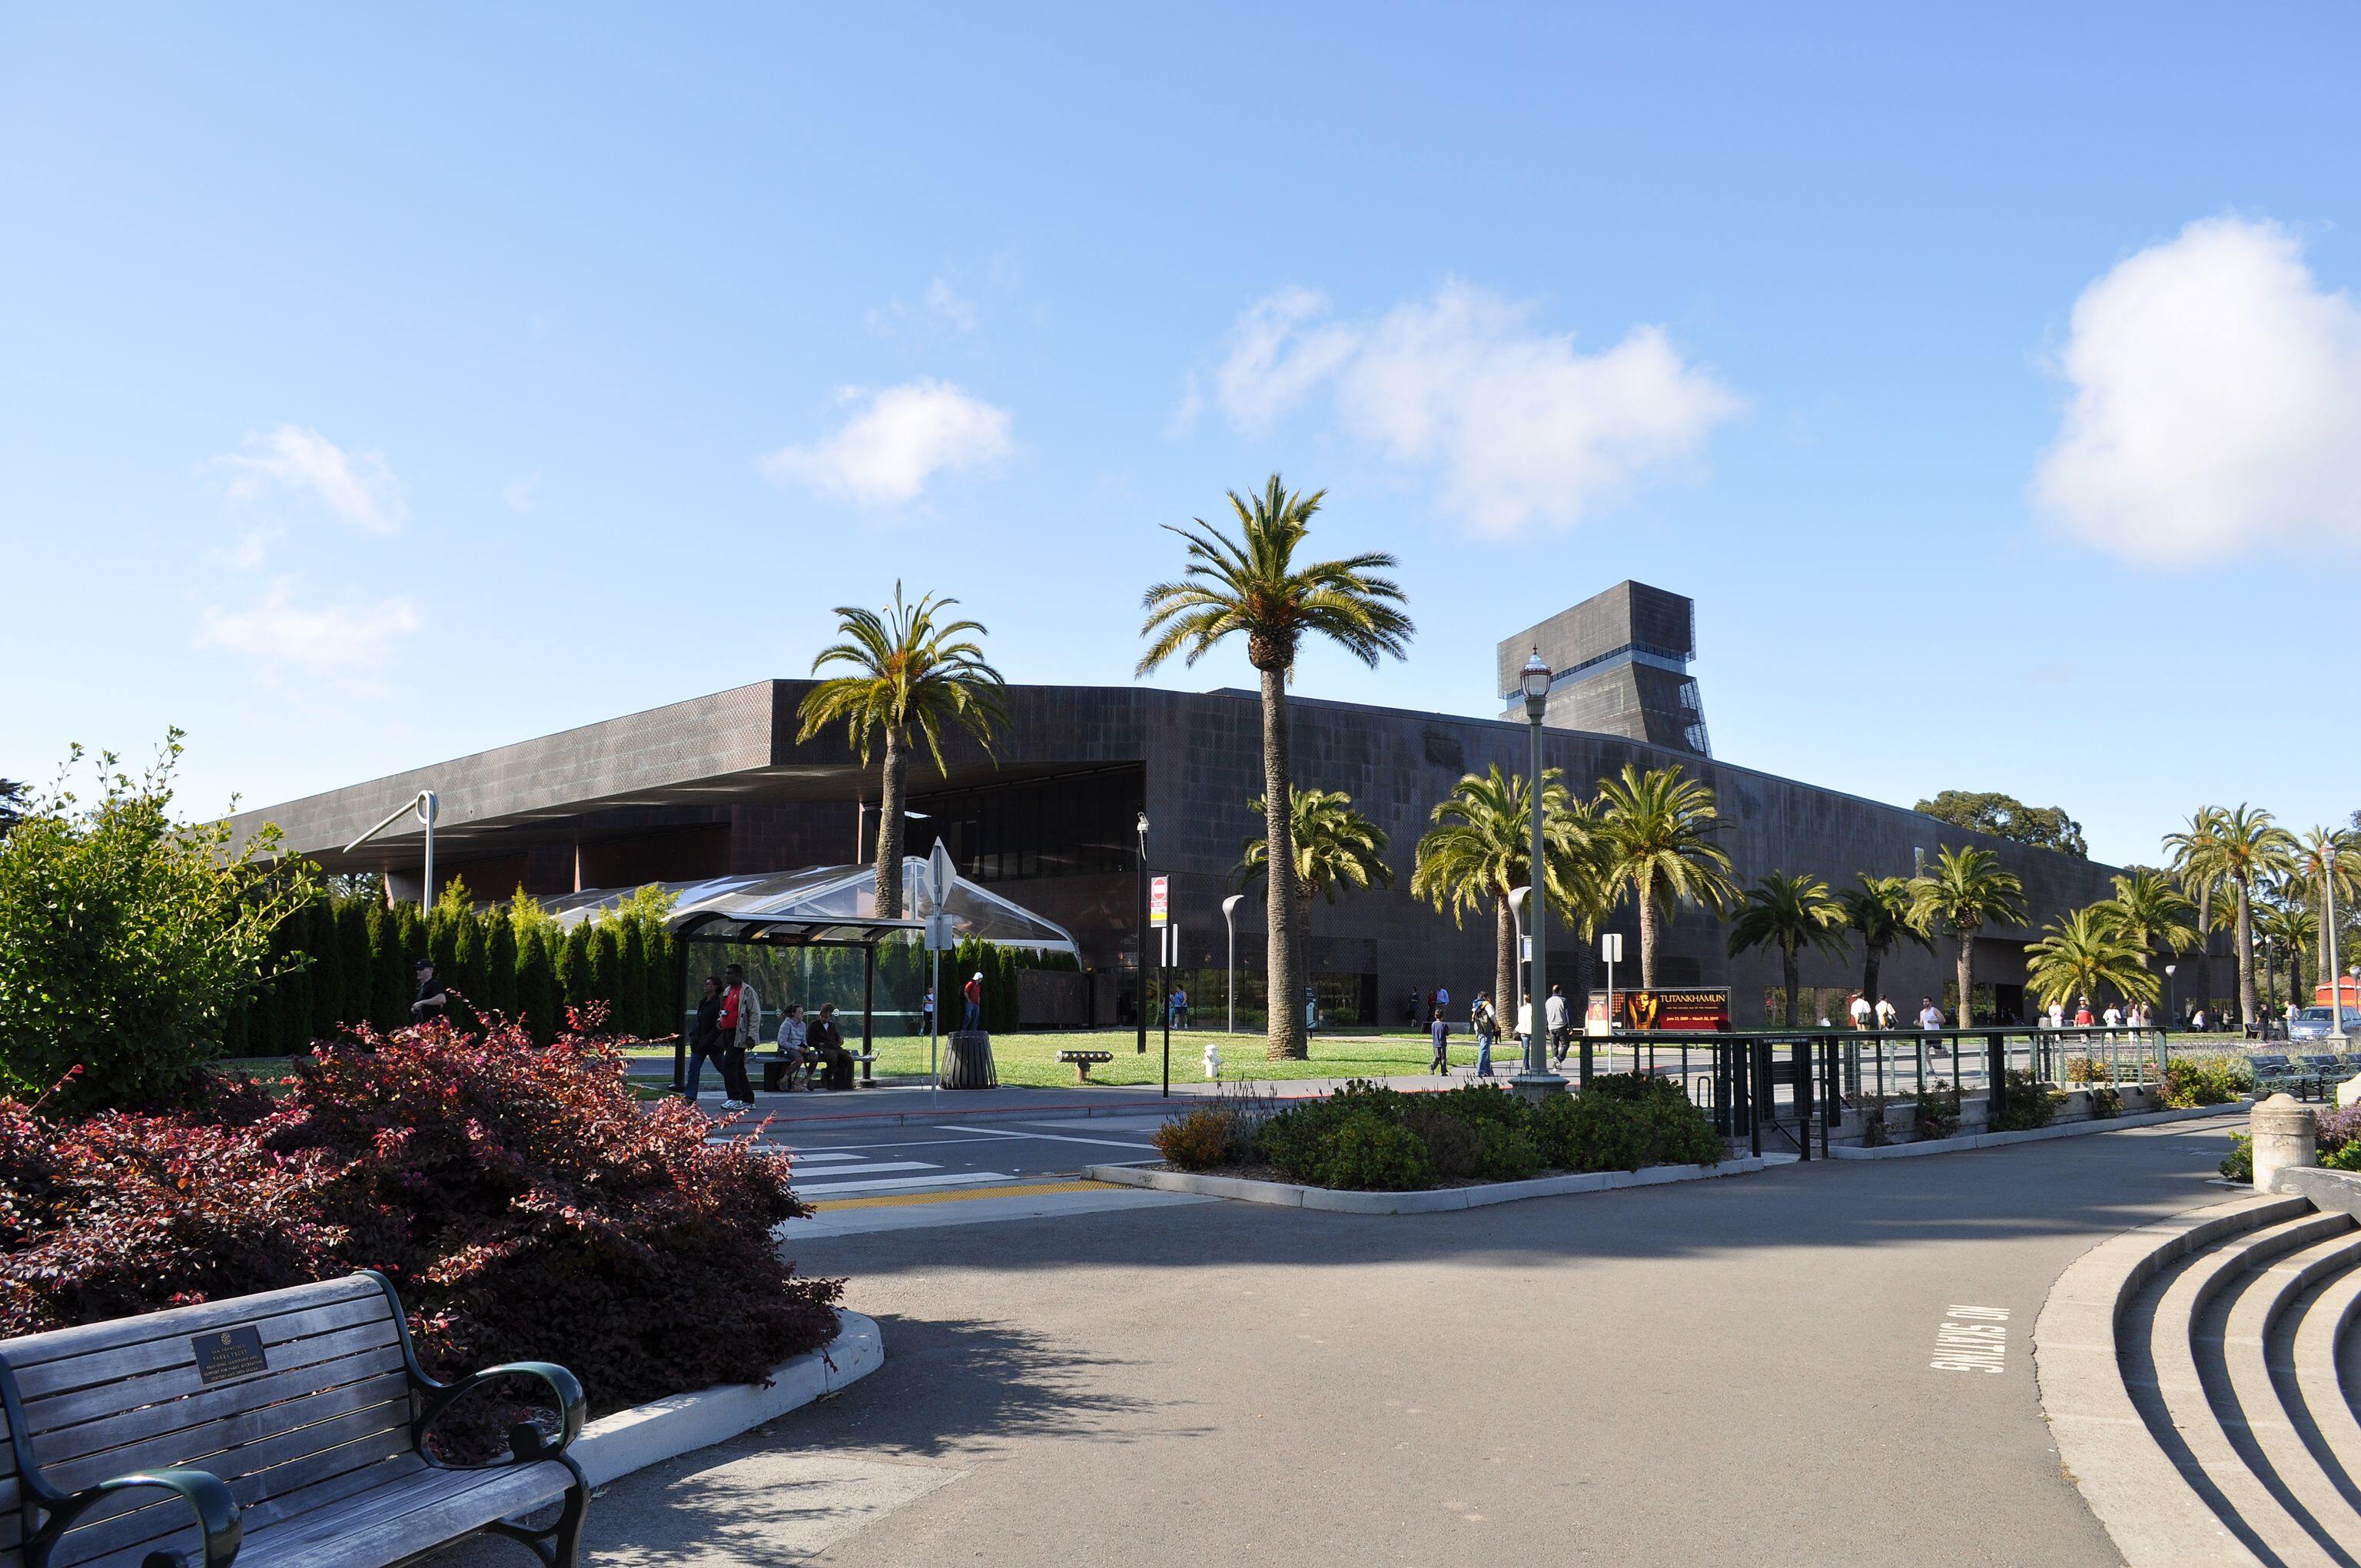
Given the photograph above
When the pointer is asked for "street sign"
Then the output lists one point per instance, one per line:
(1610, 945)
(938, 933)
(1160, 901)
(941, 875)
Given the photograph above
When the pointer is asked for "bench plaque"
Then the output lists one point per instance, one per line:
(227, 1353)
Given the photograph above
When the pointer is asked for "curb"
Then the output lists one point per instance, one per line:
(2036, 1134)
(630, 1439)
(1287, 1195)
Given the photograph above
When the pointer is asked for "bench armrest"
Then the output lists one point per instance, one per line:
(525, 1442)
(216, 1511)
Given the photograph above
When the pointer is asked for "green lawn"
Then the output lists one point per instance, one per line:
(1032, 1060)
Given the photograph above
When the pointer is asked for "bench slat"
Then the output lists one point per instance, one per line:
(109, 1366)
(114, 1429)
(231, 1445)
(277, 1464)
(372, 1460)
(178, 1322)
(390, 1523)
(152, 1397)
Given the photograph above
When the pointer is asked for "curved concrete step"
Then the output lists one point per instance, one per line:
(2155, 1517)
(2247, 1366)
(2324, 1403)
(2161, 1366)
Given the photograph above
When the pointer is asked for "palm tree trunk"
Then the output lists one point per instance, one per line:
(889, 829)
(2246, 1013)
(1504, 959)
(1787, 973)
(1586, 953)
(1284, 963)
(1966, 977)
(2204, 951)
(1647, 940)
(1871, 961)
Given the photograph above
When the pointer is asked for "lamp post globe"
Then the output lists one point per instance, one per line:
(1535, 1081)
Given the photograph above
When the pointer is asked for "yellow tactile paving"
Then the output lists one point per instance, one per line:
(897, 1200)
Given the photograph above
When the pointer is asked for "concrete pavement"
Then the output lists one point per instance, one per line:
(1738, 1370)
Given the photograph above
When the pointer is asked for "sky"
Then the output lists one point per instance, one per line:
(380, 386)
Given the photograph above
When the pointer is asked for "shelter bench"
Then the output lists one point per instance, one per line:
(1082, 1062)
(284, 1429)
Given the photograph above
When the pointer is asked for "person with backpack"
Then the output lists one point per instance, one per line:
(1440, 1028)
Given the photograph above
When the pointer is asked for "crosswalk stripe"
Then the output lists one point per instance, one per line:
(838, 1188)
(879, 1169)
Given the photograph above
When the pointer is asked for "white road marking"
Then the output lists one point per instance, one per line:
(1055, 1138)
(817, 1189)
(1971, 1339)
(876, 1168)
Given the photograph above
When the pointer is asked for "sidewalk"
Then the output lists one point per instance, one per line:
(917, 1102)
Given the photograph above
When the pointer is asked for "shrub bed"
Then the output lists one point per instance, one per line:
(527, 1205)
(1370, 1138)
(2193, 1080)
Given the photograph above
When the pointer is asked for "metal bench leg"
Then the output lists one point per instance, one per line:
(560, 1545)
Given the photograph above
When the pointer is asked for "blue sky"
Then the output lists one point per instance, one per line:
(379, 386)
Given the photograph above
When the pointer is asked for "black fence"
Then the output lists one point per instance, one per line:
(1795, 1085)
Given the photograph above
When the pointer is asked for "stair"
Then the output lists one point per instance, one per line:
(2191, 1371)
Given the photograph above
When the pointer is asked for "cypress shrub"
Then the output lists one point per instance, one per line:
(327, 949)
(631, 996)
(359, 962)
(536, 982)
(388, 998)
(605, 950)
(574, 970)
(500, 965)
(293, 1003)
(467, 971)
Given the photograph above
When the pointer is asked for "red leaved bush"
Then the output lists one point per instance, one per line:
(525, 1203)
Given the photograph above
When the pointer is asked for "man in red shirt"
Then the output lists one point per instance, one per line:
(973, 992)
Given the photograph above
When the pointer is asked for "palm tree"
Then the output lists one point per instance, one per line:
(2296, 930)
(1252, 585)
(1335, 846)
(2149, 913)
(1966, 890)
(2242, 847)
(1789, 913)
(1879, 912)
(1480, 850)
(2089, 953)
(2330, 858)
(2199, 887)
(1657, 830)
(910, 676)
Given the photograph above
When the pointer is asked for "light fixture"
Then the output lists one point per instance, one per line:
(1535, 684)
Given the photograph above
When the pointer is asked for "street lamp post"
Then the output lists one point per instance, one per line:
(1141, 1011)
(1536, 1082)
(2169, 995)
(1229, 913)
(2335, 975)
(427, 805)
(1516, 997)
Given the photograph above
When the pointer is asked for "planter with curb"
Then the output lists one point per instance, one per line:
(617, 1445)
(2030, 1134)
(1434, 1199)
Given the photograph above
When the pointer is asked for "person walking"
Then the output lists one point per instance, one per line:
(703, 1037)
(1560, 1039)
(741, 1029)
(1858, 1009)
(973, 992)
(927, 1012)
(1930, 1018)
(1886, 1013)
(433, 994)
(1487, 1024)
(2114, 1016)
(1439, 1028)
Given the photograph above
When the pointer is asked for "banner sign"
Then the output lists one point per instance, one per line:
(1160, 903)
(1696, 1008)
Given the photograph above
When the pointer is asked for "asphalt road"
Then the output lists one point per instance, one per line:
(1733, 1370)
(885, 1159)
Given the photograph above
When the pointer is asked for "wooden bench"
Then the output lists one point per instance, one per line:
(287, 1430)
(1081, 1062)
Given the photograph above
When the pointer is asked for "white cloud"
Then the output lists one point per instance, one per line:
(2216, 403)
(356, 485)
(252, 547)
(279, 630)
(523, 495)
(940, 306)
(896, 441)
(945, 303)
(1517, 425)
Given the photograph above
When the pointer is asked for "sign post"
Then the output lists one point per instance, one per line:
(1160, 916)
(941, 878)
(1610, 947)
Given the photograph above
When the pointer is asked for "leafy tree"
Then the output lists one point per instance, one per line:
(911, 677)
(1882, 913)
(1657, 830)
(1334, 846)
(126, 937)
(1252, 587)
(2005, 817)
(1790, 914)
(2236, 849)
(1480, 850)
(2091, 953)
(1964, 891)
(13, 802)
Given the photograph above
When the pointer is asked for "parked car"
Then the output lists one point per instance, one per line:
(2311, 1024)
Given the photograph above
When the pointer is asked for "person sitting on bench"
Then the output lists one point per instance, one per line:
(827, 1045)
(794, 1047)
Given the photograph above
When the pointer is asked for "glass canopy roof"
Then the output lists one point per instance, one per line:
(825, 905)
